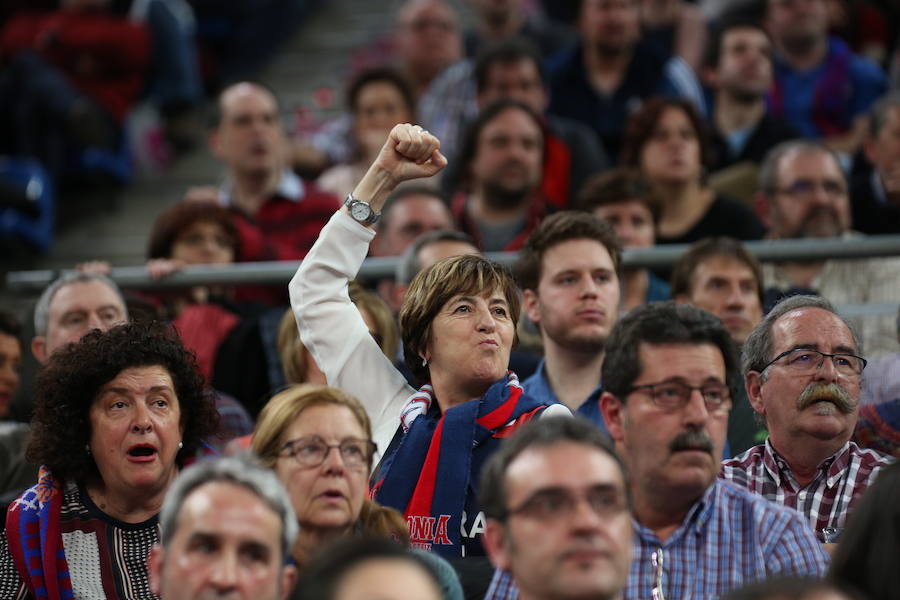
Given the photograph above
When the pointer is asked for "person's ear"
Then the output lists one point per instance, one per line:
(753, 385)
(154, 568)
(496, 545)
(39, 348)
(288, 581)
(613, 411)
(531, 306)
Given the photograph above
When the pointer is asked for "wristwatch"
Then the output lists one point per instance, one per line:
(361, 211)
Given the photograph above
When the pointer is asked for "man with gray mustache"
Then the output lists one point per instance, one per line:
(802, 374)
(668, 376)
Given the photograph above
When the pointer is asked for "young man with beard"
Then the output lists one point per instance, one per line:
(803, 194)
(802, 374)
(738, 69)
(569, 273)
(502, 151)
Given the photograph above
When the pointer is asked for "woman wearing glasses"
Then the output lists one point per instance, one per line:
(318, 440)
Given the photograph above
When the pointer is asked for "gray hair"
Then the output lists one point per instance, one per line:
(410, 264)
(879, 112)
(42, 308)
(768, 170)
(757, 351)
(242, 470)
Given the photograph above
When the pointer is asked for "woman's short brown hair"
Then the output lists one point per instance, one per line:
(433, 287)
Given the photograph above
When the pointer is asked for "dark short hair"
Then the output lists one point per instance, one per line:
(705, 249)
(713, 51)
(174, 220)
(506, 52)
(538, 433)
(409, 265)
(618, 186)
(10, 325)
(403, 192)
(662, 323)
(68, 385)
(757, 350)
(642, 123)
(866, 557)
(556, 229)
(469, 146)
(322, 577)
(380, 75)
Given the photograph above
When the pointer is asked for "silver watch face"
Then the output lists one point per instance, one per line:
(360, 211)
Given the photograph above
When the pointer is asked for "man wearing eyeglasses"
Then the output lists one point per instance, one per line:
(667, 376)
(558, 513)
(803, 194)
(802, 374)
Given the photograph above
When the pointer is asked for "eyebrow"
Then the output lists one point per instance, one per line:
(123, 390)
(597, 487)
(841, 349)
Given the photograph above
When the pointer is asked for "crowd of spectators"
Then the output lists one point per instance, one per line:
(572, 427)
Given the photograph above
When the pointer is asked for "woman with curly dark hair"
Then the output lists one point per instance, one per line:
(116, 415)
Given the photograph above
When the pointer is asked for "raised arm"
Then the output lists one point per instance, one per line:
(330, 325)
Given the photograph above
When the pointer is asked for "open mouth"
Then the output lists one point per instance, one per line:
(142, 451)
(332, 495)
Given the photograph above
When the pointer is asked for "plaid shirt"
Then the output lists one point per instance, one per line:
(827, 500)
(728, 538)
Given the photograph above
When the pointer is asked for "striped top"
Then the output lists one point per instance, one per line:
(107, 558)
(827, 500)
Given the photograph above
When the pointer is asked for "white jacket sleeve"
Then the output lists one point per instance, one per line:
(334, 332)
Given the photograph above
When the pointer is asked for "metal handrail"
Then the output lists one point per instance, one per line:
(280, 272)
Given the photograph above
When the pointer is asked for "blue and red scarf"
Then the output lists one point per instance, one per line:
(429, 470)
(35, 542)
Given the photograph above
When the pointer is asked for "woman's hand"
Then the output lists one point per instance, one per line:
(410, 152)
(157, 268)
